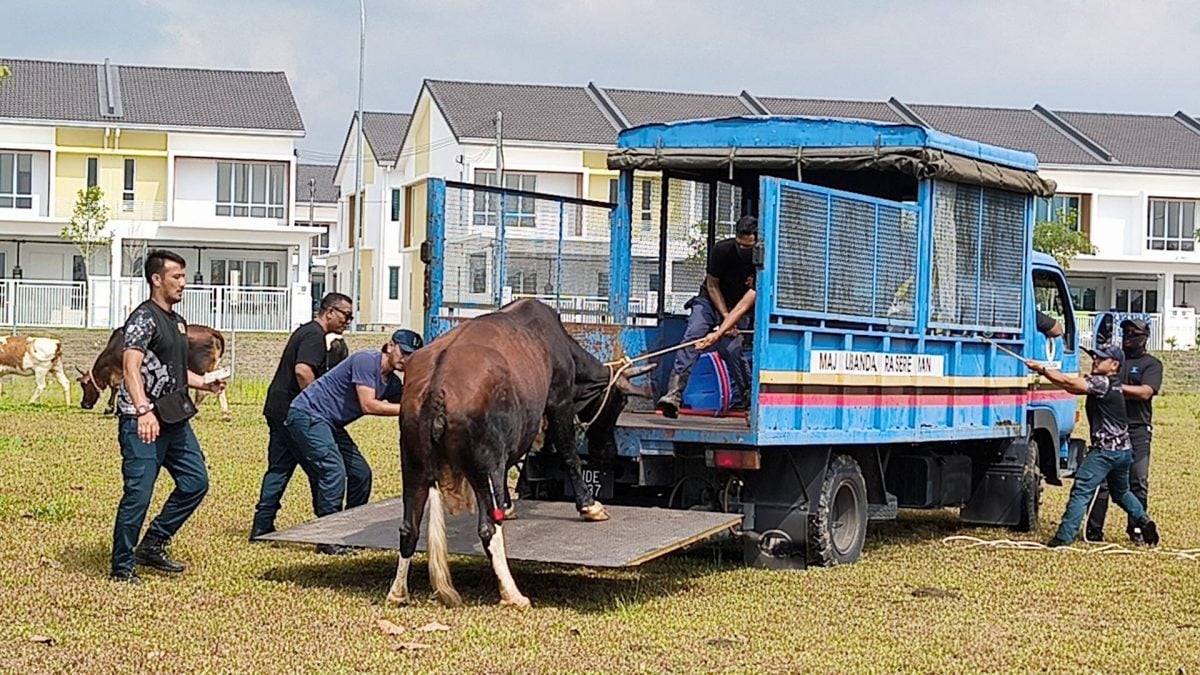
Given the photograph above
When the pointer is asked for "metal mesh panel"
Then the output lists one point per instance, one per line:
(687, 236)
(871, 262)
(800, 279)
(1003, 256)
(978, 256)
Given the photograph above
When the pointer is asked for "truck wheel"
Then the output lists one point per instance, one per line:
(1031, 490)
(839, 526)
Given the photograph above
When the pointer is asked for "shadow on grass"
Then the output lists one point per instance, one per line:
(369, 575)
(92, 559)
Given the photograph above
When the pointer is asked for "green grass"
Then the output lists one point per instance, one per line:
(267, 608)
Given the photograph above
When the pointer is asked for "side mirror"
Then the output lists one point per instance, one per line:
(1105, 330)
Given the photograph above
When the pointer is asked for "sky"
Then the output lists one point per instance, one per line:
(1094, 55)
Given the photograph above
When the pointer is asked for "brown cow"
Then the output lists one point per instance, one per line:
(38, 356)
(206, 346)
(474, 402)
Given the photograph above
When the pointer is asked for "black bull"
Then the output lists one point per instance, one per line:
(474, 402)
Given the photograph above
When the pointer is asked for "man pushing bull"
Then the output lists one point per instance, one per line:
(366, 383)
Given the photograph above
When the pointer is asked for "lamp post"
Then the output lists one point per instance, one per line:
(358, 162)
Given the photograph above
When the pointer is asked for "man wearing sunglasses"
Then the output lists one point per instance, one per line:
(304, 359)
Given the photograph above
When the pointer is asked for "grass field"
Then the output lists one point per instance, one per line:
(911, 604)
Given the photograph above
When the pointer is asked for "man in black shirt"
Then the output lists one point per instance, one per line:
(730, 274)
(152, 427)
(302, 362)
(1141, 380)
(1111, 455)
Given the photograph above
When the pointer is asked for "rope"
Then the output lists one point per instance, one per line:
(617, 367)
(1191, 554)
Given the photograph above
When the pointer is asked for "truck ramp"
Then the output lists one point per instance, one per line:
(546, 532)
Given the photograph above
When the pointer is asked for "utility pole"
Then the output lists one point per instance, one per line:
(358, 162)
(499, 149)
(312, 191)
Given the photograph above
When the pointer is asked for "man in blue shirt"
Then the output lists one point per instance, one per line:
(366, 383)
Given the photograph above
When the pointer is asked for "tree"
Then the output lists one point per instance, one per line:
(5, 73)
(88, 227)
(1061, 237)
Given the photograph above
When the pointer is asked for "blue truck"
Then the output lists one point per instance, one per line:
(894, 263)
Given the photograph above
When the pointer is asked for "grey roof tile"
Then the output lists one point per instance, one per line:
(1157, 141)
(1016, 128)
(326, 192)
(647, 107)
(874, 111)
(385, 133)
(159, 96)
(531, 112)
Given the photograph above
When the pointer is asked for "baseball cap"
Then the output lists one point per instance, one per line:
(409, 341)
(1107, 352)
(1136, 326)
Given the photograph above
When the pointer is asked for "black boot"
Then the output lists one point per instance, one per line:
(1149, 532)
(255, 533)
(670, 402)
(151, 554)
(334, 549)
(125, 577)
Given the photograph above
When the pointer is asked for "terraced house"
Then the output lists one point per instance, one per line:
(1133, 180)
(198, 161)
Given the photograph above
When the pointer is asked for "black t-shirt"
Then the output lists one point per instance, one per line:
(733, 272)
(1147, 370)
(162, 336)
(306, 345)
(1045, 323)
(1106, 413)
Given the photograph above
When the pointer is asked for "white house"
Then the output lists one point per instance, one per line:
(198, 161)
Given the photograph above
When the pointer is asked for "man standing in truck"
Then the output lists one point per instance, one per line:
(1141, 380)
(730, 274)
(1111, 453)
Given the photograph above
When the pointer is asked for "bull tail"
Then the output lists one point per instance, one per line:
(455, 491)
(439, 554)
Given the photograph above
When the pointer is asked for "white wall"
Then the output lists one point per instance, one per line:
(232, 146)
(48, 261)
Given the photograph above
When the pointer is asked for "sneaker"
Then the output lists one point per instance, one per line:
(1149, 532)
(1057, 543)
(125, 577)
(151, 553)
(334, 549)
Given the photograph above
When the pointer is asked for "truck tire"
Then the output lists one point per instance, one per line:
(1031, 490)
(839, 526)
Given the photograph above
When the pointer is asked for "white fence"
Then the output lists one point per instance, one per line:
(76, 304)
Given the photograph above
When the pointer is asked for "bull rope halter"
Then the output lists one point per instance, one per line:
(617, 367)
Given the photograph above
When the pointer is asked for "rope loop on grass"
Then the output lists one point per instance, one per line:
(964, 541)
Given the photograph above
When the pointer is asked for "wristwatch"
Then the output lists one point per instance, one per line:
(143, 409)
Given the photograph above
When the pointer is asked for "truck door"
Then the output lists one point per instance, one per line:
(1052, 299)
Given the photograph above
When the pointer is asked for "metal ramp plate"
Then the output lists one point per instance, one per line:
(548, 532)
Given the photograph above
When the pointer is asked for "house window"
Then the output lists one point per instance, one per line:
(729, 198)
(523, 282)
(257, 273)
(393, 282)
(613, 190)
(16, 180)
(396, 206)
(1172, 225)
(1051, 209)
(127, 194)
(1083, 298)
(320, 244)
(270, 273)
(1137, 300)
(477, 269)
(647, 210)
(519, 211)
(93, 171)
(602, 284)
(248, 190)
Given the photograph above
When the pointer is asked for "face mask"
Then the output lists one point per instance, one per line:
(1135, 346)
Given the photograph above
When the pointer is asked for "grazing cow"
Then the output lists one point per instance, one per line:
(206, 346)
(474, 402)
(20, 355)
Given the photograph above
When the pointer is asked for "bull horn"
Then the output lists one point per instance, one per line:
(630, 389)
(639, 370)
(79, 370)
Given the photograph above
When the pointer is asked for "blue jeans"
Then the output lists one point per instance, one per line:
(702, 320)
(176, 449)
(1099, 467)
(342, 473)
(283, 456)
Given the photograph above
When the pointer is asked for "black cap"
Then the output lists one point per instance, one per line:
(1107, 352)
(1135, 326)
(408, 341)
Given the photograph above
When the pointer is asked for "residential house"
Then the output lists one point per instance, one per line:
(198, 161)
(1133, 180)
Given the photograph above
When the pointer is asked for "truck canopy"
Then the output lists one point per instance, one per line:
(777, 144)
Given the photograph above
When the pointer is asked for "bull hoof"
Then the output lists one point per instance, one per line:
(510, 513)
(394, 598)
(227, 417)
(595, 513)
(519, 602)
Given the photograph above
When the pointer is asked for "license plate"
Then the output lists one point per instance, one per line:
(599, 483)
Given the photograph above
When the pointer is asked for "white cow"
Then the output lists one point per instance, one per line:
(20, 355)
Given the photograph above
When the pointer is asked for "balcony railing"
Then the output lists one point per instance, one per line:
(139, 210)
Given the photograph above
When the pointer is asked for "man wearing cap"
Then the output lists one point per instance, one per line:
(1111, 454)
(1141, 380)
(366, 383)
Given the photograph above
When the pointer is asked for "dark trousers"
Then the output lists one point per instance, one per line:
(702, 320)
(175, 449)
(283, 456)
(1098, 468)
(1139, 480)
(342, 473)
